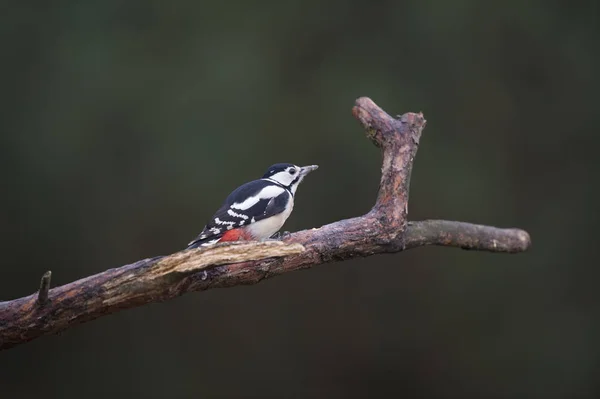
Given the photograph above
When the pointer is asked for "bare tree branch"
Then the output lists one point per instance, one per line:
(466, 236)
(384, 229)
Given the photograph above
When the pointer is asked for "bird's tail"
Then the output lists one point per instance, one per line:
(204, 240)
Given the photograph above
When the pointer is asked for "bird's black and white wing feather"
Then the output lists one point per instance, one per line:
(249, 203)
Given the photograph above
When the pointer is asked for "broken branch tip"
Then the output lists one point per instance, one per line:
(44, 288)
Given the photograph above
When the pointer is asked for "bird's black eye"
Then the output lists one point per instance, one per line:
(292, 171)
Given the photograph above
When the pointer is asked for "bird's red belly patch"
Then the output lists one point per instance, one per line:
(235, 235)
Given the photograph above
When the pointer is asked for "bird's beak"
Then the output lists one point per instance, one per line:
(307, 169)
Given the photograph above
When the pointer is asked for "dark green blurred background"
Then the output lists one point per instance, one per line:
(125, 124)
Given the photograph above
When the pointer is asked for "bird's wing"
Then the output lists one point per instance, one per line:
(247, 204)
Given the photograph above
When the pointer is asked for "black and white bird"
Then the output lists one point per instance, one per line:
(255, 210)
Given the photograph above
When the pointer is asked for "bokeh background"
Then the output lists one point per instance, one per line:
(125, 124)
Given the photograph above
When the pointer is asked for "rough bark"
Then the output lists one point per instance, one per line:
(384, 229)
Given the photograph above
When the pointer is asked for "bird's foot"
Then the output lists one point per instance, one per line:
(280, 235)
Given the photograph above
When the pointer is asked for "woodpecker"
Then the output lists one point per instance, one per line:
(255, 210)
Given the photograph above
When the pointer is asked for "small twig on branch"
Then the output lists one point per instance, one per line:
(384, 229)
(44, 288)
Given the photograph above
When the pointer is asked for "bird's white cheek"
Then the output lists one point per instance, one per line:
(283, 177)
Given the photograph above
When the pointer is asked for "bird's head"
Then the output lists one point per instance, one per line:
(288, 175)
